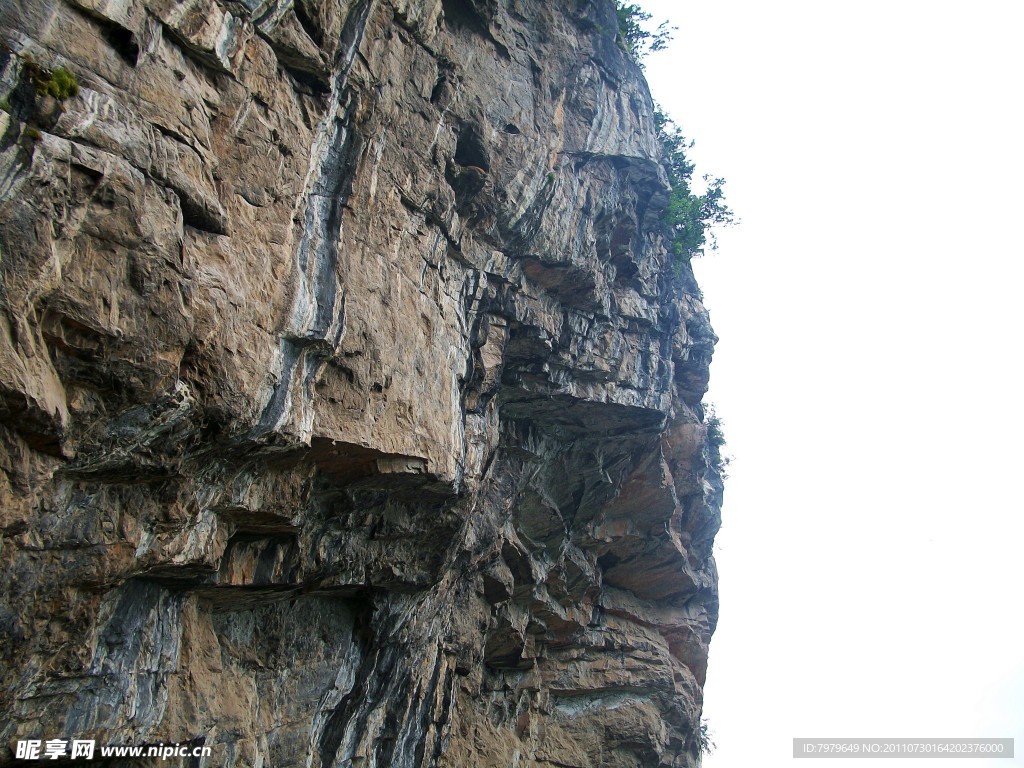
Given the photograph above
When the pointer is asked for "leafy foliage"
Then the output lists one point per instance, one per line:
(61, 84)
(634, 37)
(689, 217)
(716, 436)
(704, 740)
(716, 443)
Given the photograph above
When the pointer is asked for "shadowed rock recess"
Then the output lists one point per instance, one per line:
(349, 401)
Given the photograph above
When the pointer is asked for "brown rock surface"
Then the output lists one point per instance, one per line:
(349, 402)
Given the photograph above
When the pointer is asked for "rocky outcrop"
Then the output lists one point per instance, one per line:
(349, 400)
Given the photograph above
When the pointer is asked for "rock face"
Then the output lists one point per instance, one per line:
(349, 401)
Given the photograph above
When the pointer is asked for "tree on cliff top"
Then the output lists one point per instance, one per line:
(689, 217)
(634, 37)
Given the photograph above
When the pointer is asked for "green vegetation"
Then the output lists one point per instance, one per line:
(689, 217)
(716, 443)
(634, 37)
(23, 103)
(704, 740)
(61, 83)
(716, 436)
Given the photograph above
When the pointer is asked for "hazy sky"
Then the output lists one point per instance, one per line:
(869, 370)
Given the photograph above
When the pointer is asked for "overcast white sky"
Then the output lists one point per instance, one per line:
(869, 370)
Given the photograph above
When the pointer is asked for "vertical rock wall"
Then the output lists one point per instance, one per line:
(349, 402)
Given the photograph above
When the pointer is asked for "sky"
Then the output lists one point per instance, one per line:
(869, 372)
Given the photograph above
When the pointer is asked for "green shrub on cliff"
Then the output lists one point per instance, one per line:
(716, 436)
(61, 84)
(689, 217)
(634, 37)
(717, 457)
(705, 742)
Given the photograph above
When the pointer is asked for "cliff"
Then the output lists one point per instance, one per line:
(349, 400)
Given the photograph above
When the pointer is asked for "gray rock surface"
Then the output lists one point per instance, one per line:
(349, 401)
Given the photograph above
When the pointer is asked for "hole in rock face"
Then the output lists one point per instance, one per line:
(447, 81)
(608, 560)
(513, 129)
(123, 42)
(310, 25)
(438, 91)
(471, 14)
(470, 150)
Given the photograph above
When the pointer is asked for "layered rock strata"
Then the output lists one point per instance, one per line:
(349, 401)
